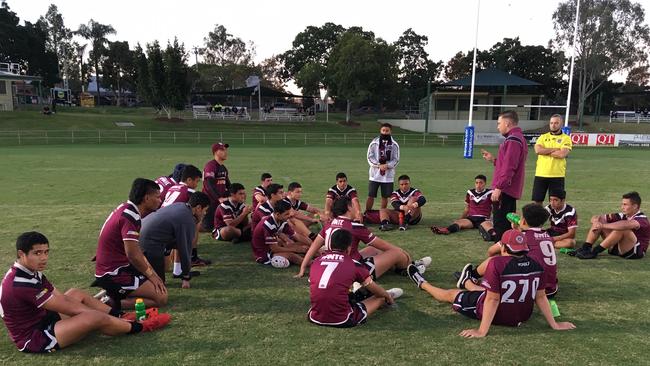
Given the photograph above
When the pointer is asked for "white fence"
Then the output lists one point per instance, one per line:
(62, 137)
(628, 117)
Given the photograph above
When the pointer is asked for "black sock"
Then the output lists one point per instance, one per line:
(384, 222)
(116, 312)
(407, 218)
(453, 228)
(586, 245)
(135, 328)
(475, 273)
(195, 253)
(598, 249)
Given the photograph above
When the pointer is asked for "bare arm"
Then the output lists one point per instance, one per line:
(357, 208)
(490, 307)
(313, 249)
(542, 303)
(379, 291)
(238, 220)
(560, 154)
(61, 304)
(465, 211)
(571, 234)
(541, 150)
(621, 225)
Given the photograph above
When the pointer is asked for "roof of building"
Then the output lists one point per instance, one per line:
(492, 77)
(4, 75)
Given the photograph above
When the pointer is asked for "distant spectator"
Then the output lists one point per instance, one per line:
(47, 111)
(234, 110)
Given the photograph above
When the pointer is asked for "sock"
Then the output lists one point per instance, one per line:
(312, 236)
(115, 312)
(453, 228)
(475, 273)
(135, 328)
(407, 218)
(384, 222)
(586, 245)
(597, 249)
(195, 253)
(177, 269)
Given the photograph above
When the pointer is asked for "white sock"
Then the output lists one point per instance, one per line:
(177, 268)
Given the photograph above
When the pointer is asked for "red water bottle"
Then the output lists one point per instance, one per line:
(401, 218)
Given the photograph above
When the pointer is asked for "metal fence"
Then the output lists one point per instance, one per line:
(63, 137)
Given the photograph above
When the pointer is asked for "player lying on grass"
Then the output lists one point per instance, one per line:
(378, 256)
(563, 219)
(540, 248)
(259, 192)
(293, 196)
(231, 217)
(268, 249)
(120, 268)
(476, 215)
(40, 319)
(406, 203)
(330, 279)
(509, 289)
(625, 234)
(339, 190)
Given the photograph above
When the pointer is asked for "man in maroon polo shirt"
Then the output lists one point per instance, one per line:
(216, 182)
(509, 168)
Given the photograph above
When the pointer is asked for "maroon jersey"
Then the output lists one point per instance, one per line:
(257, 191)
(335, 193)
(404, 197)
(541, 249)
(260, 212)
(216, 182)
(479, 203)
(22, 295)
(178, 193)
(266, 234)
(330, 278)
(122, 224)
(164, 183)
(359, 234)
(642, 233)
(297, 205)
(517, 281)
(227, 211)
(563, 220)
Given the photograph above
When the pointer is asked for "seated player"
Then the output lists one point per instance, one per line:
(406, 202)
(274, 193)
(267, 249)
(540, 248)
(563, 219)
(507, 293)
(259, 192)
(41, 319)
(478, 208)
(167, 181)
(120, 268)
(293, 196)
(339, 190)
(330, 280)
(190, 179)
(378, 256)
(625, 234)
(231, 218)
(170, 228)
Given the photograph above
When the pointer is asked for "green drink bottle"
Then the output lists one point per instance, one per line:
(140, 310)
(513, 217)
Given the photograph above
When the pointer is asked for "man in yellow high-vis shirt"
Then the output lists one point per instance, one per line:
(552, 149)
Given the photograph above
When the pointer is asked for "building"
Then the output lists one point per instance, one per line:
(16, 89)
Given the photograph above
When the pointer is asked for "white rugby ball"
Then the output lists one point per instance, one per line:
(279, 262)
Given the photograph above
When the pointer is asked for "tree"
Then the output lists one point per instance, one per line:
(118, 68)
(96, 33)
(156, 68)
(273, 72)
(59, 41)
(415, 67)
(638, 76)
(177, 86)
(612, 37)
(141, 75)
(222, 48)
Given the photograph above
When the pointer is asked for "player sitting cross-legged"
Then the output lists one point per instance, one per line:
(510, 288)
(339, 190)
(478, 208)
(41, 319)
(330, 279)
(406, 202)
(563, 219)
(231, 217)
(293, 196)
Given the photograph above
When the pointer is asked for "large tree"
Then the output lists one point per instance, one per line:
(118, 68)
(177, 87)
(222, 48)
(96, 33)
(59, 41)
(415, 67)
(612, 37)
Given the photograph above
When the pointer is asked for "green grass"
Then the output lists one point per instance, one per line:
(241, 313)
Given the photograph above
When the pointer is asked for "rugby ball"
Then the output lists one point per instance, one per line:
(279, 262)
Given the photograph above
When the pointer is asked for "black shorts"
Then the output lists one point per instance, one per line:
(541, 185)
(386, 189)
(119, 286)
(552, 233)
(477, 220)
(157, 261)
(370, 266)
(415, 220)
(466, 302)
(357, 317)
(634, 253)
(43, 339)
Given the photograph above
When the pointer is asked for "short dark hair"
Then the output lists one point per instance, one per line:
(559, 193)
(293, 185)
(178, 170)
(190, 172)
(535, 214)
(199, 199)
(340, 239)
(511, 115)
(236, 187)
(634, 197)
(403, 177)
(140, 188)
(26, 241)
(273, 188)
(265, 176)
(481, 177)
(281, 206)
(340, 206)
(386, 124)
(341, 175)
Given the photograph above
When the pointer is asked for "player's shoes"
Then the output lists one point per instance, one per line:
(155, 322)
(395, 293)
(200, 262)
(386, 227)
(465, 275)
(192, 274)
(456, 275)
(440, 230)
(130, 316)
(484, 234)
(415, 275)
(584, 254)
(424, 261)
(403, 227)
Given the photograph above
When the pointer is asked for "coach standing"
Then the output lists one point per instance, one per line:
(552, 149)
(383, 157)
(216, 182)
(509, 169)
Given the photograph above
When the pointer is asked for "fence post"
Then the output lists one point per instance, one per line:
(285, 138)
(364, 136)
(325, 138)
(99, 137)
(345, 138)
(404, 139)
(150, 142)
(242, 138)
(174, 136)
(221, 136)
(424, 139)
(263, 138)
(19, 142)
(47, 139)
(72, 138)
(126, 139)
(305, 139)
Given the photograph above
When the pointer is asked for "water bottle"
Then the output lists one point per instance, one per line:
(566, 250)
(554, 309)
(513, 217)
(140, 310)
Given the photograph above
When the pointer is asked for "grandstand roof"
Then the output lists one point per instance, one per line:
(4, 75)
(492, 77)
(252, 91)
